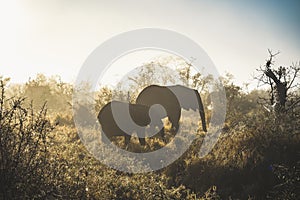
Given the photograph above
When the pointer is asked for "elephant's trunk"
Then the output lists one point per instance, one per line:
(201, 111)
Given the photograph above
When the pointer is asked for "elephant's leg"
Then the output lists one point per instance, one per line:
(142, 141)
(175, 123)
(174, 116)
(162, 134)
(127, 139)
(104, 136)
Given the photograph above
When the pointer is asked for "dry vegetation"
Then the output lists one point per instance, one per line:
(42, 157)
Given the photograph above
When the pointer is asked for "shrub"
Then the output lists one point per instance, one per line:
(24, 165)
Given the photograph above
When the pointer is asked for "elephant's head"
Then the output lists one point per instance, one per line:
(190, 99)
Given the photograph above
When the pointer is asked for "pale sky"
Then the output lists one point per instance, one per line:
(54, 37)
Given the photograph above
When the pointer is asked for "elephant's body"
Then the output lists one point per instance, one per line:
(185, 98)
(139, 115)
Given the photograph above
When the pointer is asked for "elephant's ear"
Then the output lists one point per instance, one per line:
(190, 99)
(186, 97)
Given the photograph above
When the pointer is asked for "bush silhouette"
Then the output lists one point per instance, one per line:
(23, 146)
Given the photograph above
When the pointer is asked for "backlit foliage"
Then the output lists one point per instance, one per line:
(42, 157)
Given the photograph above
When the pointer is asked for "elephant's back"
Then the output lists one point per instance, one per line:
(138, 113)
(155, 94)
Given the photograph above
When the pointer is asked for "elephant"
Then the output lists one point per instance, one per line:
(132, 118)
(173, 98)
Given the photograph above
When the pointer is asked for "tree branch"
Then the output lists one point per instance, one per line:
(296, 70)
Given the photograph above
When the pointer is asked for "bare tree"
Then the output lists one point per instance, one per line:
(283, 83)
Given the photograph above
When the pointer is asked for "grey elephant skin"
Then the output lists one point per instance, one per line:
(138, 114)
(173, 98)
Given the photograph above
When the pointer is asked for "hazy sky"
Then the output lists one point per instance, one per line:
(56, 36)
